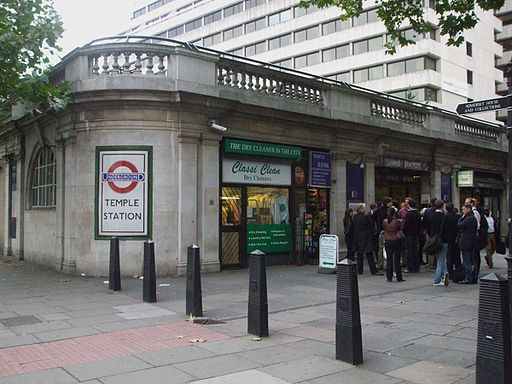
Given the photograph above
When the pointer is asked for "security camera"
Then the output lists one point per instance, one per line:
(216, 126)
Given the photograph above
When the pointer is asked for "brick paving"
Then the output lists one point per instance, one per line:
(79, 350)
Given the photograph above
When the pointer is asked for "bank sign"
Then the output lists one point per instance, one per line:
(256, 172)
(123, 192)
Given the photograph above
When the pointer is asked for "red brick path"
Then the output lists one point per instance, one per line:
(39, 357)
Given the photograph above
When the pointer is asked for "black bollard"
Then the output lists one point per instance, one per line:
(349, 343)
(493, 348)
(149, 282)
(508, 258)
(257, 317)
(194, 301)
(114, 269)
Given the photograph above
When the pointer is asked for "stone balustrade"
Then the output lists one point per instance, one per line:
(262, 80)
(128, 62)
(400, 112)
(477, 132)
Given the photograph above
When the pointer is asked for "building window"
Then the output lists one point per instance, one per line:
(336, 53)
(376, 72)
(154, 5)
(361, 75)
(175, 31)
(139, 12)
(306, 34)
(343, 76)
(287, 63)
(238, 51)
(256, 49)
(417, 94)
(255, 25)
(253, 3)
(44, 179)
(212, 40)
(280, 17)
(334, 26)
(194, 24)
(234, 9)
(469, 76)
(411, 65)
(299, 11)
(233, 32)
(375, 43)
(212, 17)
(279, 42)
(307, 60)
(469, 49)
(360, 47)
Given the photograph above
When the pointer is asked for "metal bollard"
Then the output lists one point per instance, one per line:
(149, 282)
(509, 275)
(349, 343)
(114, 270)
(257, 317)
(493, 349)
(194, 301)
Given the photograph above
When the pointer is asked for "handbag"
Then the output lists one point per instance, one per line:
(500, 246)
(434, 243)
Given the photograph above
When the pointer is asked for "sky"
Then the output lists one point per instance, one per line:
(85, 20)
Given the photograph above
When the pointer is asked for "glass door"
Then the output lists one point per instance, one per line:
(231, 227)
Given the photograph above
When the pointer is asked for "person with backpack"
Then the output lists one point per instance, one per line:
(466, 240)
(481, 238)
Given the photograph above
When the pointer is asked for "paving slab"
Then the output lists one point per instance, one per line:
(165, 374)
(247, 377)
(216, 366)
(305, 368)
(107, 367)
(175, 355)
(353, 376)
(384, 362)
(425, 372)
(51, 376)
(274, 354)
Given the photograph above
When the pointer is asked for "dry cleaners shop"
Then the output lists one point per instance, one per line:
(274, 198)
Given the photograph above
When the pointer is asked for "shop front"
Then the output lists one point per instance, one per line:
(400, 178)
(267, 201)
(488, 187)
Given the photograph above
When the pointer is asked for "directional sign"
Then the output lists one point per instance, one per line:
(484, 105)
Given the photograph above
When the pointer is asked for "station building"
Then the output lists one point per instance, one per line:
(192, 146)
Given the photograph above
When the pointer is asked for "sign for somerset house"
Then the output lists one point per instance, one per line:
(123, 192)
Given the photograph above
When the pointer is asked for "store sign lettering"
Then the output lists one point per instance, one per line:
(253, 172)
(262, 149)
(465, 179)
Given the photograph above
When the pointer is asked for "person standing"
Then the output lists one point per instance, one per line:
(363, 239)
(436, 226)
(453, 262)
(348, 231)
(372, 215)
(467, 238)
(492, 230)
(412, 232)
(393, 245)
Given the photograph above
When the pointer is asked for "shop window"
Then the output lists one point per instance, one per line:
(44, 180)
(267, 205)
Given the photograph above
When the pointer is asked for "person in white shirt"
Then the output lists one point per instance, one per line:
(491, 237)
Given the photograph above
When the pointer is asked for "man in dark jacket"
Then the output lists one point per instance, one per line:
(436, 226)
(363, 243)
(467, 227)
(453, 256)
(412, 232)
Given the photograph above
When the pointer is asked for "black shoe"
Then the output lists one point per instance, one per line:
(378, 274)
(400, 281)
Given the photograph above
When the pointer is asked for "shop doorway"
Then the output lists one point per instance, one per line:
(231, 226)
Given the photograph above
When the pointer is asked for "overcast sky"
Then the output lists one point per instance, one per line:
(85, 20)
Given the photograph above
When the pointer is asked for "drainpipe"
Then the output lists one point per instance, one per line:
(63, 206)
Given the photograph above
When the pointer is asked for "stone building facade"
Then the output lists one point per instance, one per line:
(165, 97)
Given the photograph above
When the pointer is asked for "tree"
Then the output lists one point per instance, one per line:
(454, 16)
(29, 30)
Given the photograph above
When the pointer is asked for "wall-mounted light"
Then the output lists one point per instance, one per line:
(213, 124)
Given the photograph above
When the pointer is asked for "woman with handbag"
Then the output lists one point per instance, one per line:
(438, 236)
(466, 241)
(393, 245)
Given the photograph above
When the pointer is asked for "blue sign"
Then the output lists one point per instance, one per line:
(320, 169)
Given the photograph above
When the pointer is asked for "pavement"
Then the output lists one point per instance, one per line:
(60, 329)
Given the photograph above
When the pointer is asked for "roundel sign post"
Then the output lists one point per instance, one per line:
(123, 192)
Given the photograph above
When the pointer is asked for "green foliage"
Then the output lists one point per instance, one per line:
(29, 30)
(454, 16)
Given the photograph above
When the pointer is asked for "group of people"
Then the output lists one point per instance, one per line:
(393, 239)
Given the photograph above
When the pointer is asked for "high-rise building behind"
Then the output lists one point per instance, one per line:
(318, 42)
(505, 39)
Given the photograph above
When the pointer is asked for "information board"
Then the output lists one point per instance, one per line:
(328, 252)
(269, 238)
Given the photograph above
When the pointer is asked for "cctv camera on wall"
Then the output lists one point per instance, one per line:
(216, 126)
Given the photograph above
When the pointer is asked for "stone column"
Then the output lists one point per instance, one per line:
(187, 231)
(208, 201)
(338, 200)
(66, 205)
(435, 183)
(369, 180)
(457, 203)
